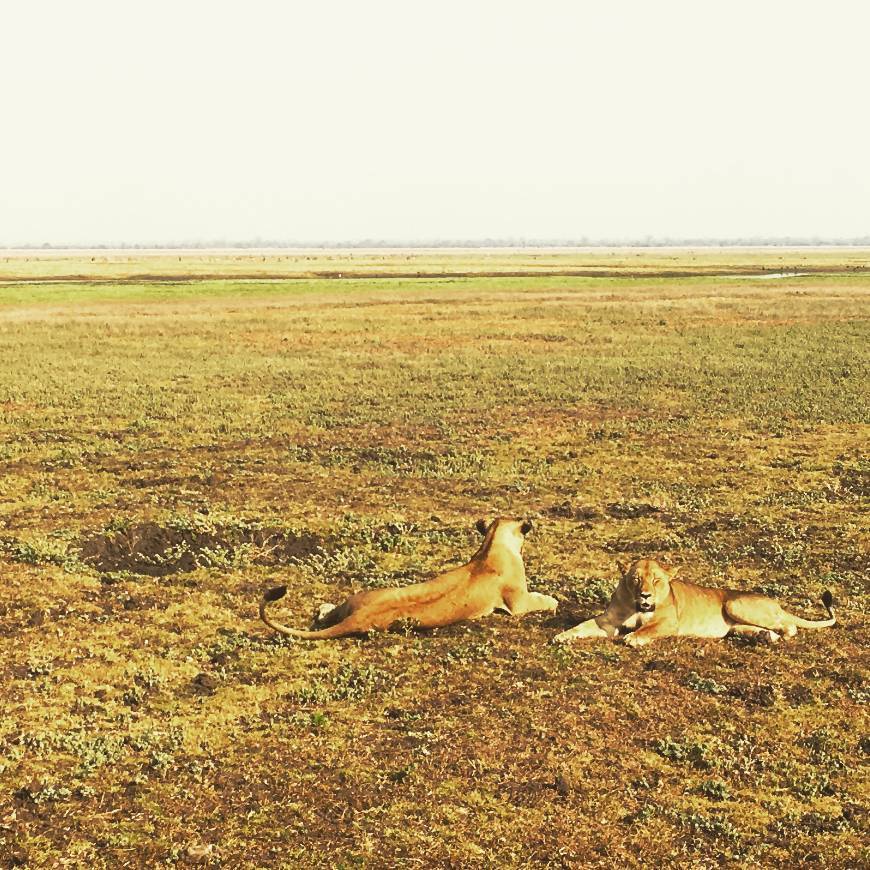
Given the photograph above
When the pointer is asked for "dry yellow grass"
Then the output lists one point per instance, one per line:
(168, 450)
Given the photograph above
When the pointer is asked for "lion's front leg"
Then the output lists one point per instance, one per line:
(528, 602)
(595, 627)
(650, 632)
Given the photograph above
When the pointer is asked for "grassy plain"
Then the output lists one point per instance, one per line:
(174, 438)
(127, 265)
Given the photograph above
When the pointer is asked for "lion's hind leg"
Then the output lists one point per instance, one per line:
(759, 611)
(755, 631)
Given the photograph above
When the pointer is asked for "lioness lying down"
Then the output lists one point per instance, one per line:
(650, 604)
(494, 579)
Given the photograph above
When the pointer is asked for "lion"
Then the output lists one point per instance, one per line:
(494, 579)
(650, 604)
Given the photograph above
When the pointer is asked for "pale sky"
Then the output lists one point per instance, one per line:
(127, 122)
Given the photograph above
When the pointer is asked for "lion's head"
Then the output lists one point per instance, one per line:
(509, 532)
(648, 583)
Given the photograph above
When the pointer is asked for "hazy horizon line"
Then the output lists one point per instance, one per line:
(495, 242)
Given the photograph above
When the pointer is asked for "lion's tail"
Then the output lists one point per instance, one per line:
(278, 592)
(828, 601)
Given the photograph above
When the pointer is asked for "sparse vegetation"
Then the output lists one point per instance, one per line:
(170, 448)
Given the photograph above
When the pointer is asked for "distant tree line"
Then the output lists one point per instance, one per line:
(509, 242)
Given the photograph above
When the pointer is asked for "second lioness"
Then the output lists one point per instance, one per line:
(494, 579)
(650, 604)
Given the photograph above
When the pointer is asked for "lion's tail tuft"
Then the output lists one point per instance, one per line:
(276, 593)
(828, 601)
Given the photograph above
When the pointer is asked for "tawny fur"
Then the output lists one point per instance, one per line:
(494, 579)
(649, 604)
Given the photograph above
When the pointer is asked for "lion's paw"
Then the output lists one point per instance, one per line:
(634, 641)
(321, 612)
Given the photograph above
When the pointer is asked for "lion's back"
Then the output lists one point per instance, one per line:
(699, 609)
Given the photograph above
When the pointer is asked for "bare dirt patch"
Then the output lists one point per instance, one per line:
(155, 550)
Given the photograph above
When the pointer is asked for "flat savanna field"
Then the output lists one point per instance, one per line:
(180, 431)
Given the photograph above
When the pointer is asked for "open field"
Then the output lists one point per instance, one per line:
(124, 266)
(174, 439)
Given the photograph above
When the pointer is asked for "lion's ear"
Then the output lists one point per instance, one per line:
(482, 526)
(623, 568)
